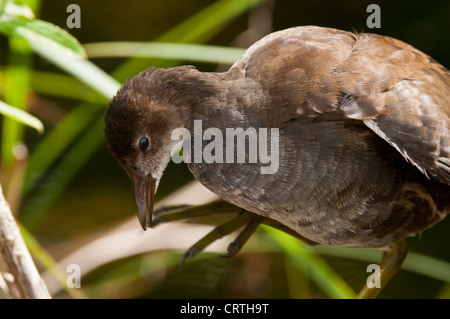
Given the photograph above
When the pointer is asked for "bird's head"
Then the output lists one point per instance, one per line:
(138, 125)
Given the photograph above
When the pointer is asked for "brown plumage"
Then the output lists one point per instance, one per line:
(364, 125)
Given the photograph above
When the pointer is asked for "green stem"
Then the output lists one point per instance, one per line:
(16, 90)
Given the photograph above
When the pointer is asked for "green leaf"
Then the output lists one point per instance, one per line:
(42, 34)
(80, 68)
(16, 92)
(3, 4)
(15, 9)
(21, 116)
(309, 262)
(174, 51)
(199, 28)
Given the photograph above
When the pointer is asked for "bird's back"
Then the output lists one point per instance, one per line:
(399, 92)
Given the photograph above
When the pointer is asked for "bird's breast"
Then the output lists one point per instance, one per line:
(319, 180)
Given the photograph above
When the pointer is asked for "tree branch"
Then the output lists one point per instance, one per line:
(19, 277)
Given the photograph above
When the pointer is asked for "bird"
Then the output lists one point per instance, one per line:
(362, 144)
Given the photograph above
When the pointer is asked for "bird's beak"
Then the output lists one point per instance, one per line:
(144, 193)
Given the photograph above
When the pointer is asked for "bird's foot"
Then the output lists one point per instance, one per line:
(251, 221)
(245, 218)
(391, 261)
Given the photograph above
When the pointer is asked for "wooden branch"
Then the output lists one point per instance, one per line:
(19, 276)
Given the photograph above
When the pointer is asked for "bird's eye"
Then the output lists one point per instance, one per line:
(143, 143)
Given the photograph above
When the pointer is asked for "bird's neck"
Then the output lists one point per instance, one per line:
(196, 95)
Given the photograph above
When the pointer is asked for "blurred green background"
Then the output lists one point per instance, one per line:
(73, 190)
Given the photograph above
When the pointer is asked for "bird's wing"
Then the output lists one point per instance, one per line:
(401, 94)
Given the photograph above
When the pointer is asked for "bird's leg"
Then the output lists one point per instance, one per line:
(391, 261)
(236, 245)
(167, 214)
(242, 219)
(251, 220)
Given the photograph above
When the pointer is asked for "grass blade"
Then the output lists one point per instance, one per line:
(197, 29)
(21, 116)
(16, 91)
(68, 167)
(309, 262)
(81, 69)
(420, 264)
(171, 51)
(55, 142)
(59, 85)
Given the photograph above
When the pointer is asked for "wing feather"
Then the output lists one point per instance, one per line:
(402, 95)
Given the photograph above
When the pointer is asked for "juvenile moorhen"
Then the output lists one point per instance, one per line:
(363, 143)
